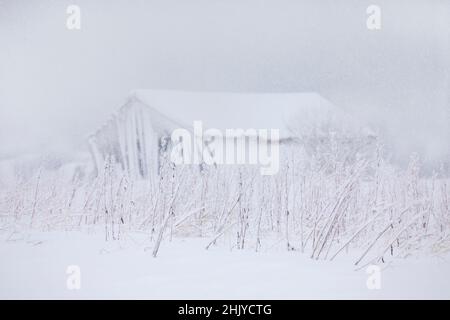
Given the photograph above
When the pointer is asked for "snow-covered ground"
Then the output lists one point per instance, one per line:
(35, 266)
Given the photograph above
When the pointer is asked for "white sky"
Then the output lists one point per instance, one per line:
(57, 86)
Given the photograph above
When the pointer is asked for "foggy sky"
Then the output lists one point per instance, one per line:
(57, 86)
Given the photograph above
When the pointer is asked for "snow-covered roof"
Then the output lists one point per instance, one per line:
(226, 110)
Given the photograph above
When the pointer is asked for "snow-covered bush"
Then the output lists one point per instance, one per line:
(337, 197)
